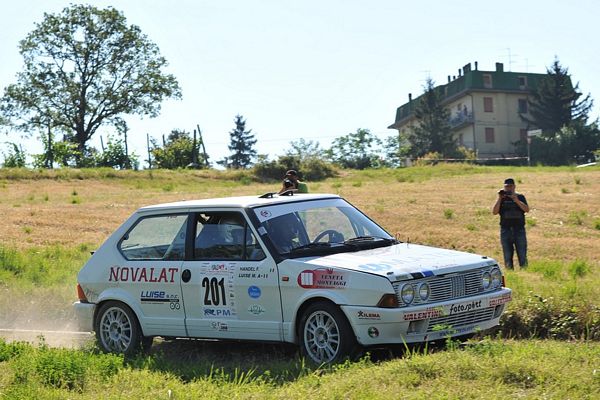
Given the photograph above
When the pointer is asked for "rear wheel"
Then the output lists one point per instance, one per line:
(325, 334)
(118, 330)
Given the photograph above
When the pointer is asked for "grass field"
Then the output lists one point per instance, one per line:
(52, 219)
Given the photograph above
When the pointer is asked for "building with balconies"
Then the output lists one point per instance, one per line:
(485, 109)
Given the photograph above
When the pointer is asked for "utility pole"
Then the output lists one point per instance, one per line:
(149, 153)
(203, 148)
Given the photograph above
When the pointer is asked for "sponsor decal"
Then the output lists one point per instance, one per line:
(496, 301)
(465, 307)
(425, 314)
(373, 332)
(217, 312)
(142, 274)
(265, 213)
(451, 332)
(160, 297)
(323, 278)
(256, 309)
(216, 268)
(368, 315)
(219, 326)
(254, 292)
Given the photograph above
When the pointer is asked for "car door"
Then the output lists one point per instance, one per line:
(229, 284)
(153, 250)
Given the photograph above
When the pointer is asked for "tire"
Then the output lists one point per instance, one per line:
(118, 330)
(325, 334)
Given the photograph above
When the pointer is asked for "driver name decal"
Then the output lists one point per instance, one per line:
(325, 278)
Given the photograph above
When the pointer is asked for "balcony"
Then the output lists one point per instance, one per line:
(461, 119)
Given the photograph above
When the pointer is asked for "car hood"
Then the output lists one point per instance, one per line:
(403, 261)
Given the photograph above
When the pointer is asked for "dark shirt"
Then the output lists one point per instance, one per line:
(510, 213)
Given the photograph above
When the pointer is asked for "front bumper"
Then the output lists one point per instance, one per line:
(375, 326)
(84, 314)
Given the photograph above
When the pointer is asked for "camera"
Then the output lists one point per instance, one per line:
(287, 183)
(503, 192)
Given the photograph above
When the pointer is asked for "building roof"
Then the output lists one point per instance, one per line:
(473, 81)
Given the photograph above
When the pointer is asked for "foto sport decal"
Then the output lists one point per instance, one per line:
(254, 292)
(323, 278)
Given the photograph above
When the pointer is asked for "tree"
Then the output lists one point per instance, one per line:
(115, 156)
(358, 150)
(85, 68)
(432, 132)
(177, 152)
(15, 157)
(241, 145)
(555, 103)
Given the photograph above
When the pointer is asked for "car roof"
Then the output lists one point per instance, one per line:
(238, 202)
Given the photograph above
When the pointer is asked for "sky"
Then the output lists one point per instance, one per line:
(320, 69)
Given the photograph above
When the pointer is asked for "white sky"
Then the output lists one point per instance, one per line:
(321, 69)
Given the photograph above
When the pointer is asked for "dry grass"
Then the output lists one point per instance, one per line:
(431, 206)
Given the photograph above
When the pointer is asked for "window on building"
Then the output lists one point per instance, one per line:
(523, 135)
(523, 106)
(522, 82)
(487, 80)
(488, 104)
(461, 140)
(489, 135)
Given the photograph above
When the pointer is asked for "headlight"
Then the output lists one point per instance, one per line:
(486, 280)
(424, 291)
(496, 278)
(407, 293)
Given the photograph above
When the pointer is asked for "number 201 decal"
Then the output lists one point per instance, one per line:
(214, 291)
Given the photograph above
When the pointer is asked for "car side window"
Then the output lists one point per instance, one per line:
(225, 236)
(156, 238)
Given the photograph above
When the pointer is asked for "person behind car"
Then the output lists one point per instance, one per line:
(512, 207)
(291, 182)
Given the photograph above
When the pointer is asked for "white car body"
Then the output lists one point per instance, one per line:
(265, 298)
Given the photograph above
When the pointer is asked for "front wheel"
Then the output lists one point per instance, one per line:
(118, 330)
(325, 334)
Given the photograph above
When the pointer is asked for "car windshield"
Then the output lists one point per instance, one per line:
(319, 227)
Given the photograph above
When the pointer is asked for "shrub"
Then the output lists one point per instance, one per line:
(578, 269)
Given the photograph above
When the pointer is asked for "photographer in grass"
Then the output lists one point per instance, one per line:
(291, 182)
(512, 207)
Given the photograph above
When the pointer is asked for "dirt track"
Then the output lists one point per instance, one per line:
(70, 339)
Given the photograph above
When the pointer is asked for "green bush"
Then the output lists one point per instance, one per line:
(63, 368)
(309, 169)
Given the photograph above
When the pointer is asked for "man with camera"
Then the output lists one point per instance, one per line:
(291, 182)
(512, 207)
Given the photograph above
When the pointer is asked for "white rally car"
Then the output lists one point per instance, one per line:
(306, 269)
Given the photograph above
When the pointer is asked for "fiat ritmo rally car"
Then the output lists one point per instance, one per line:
(306, 269)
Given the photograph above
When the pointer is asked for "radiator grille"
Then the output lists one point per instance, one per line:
(447, 287)
(462, 319)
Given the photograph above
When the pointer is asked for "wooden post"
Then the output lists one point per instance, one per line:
(149, 153)
(203, 148)
(50, 158)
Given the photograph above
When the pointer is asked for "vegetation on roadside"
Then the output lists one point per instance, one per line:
(491, 369)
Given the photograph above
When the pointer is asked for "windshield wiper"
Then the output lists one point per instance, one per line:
(311, 245)
(360, 239)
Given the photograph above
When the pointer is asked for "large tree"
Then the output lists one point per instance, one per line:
(432, 132)
(358, 150)
(555, 103)
(84, 68)
(241, 145)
